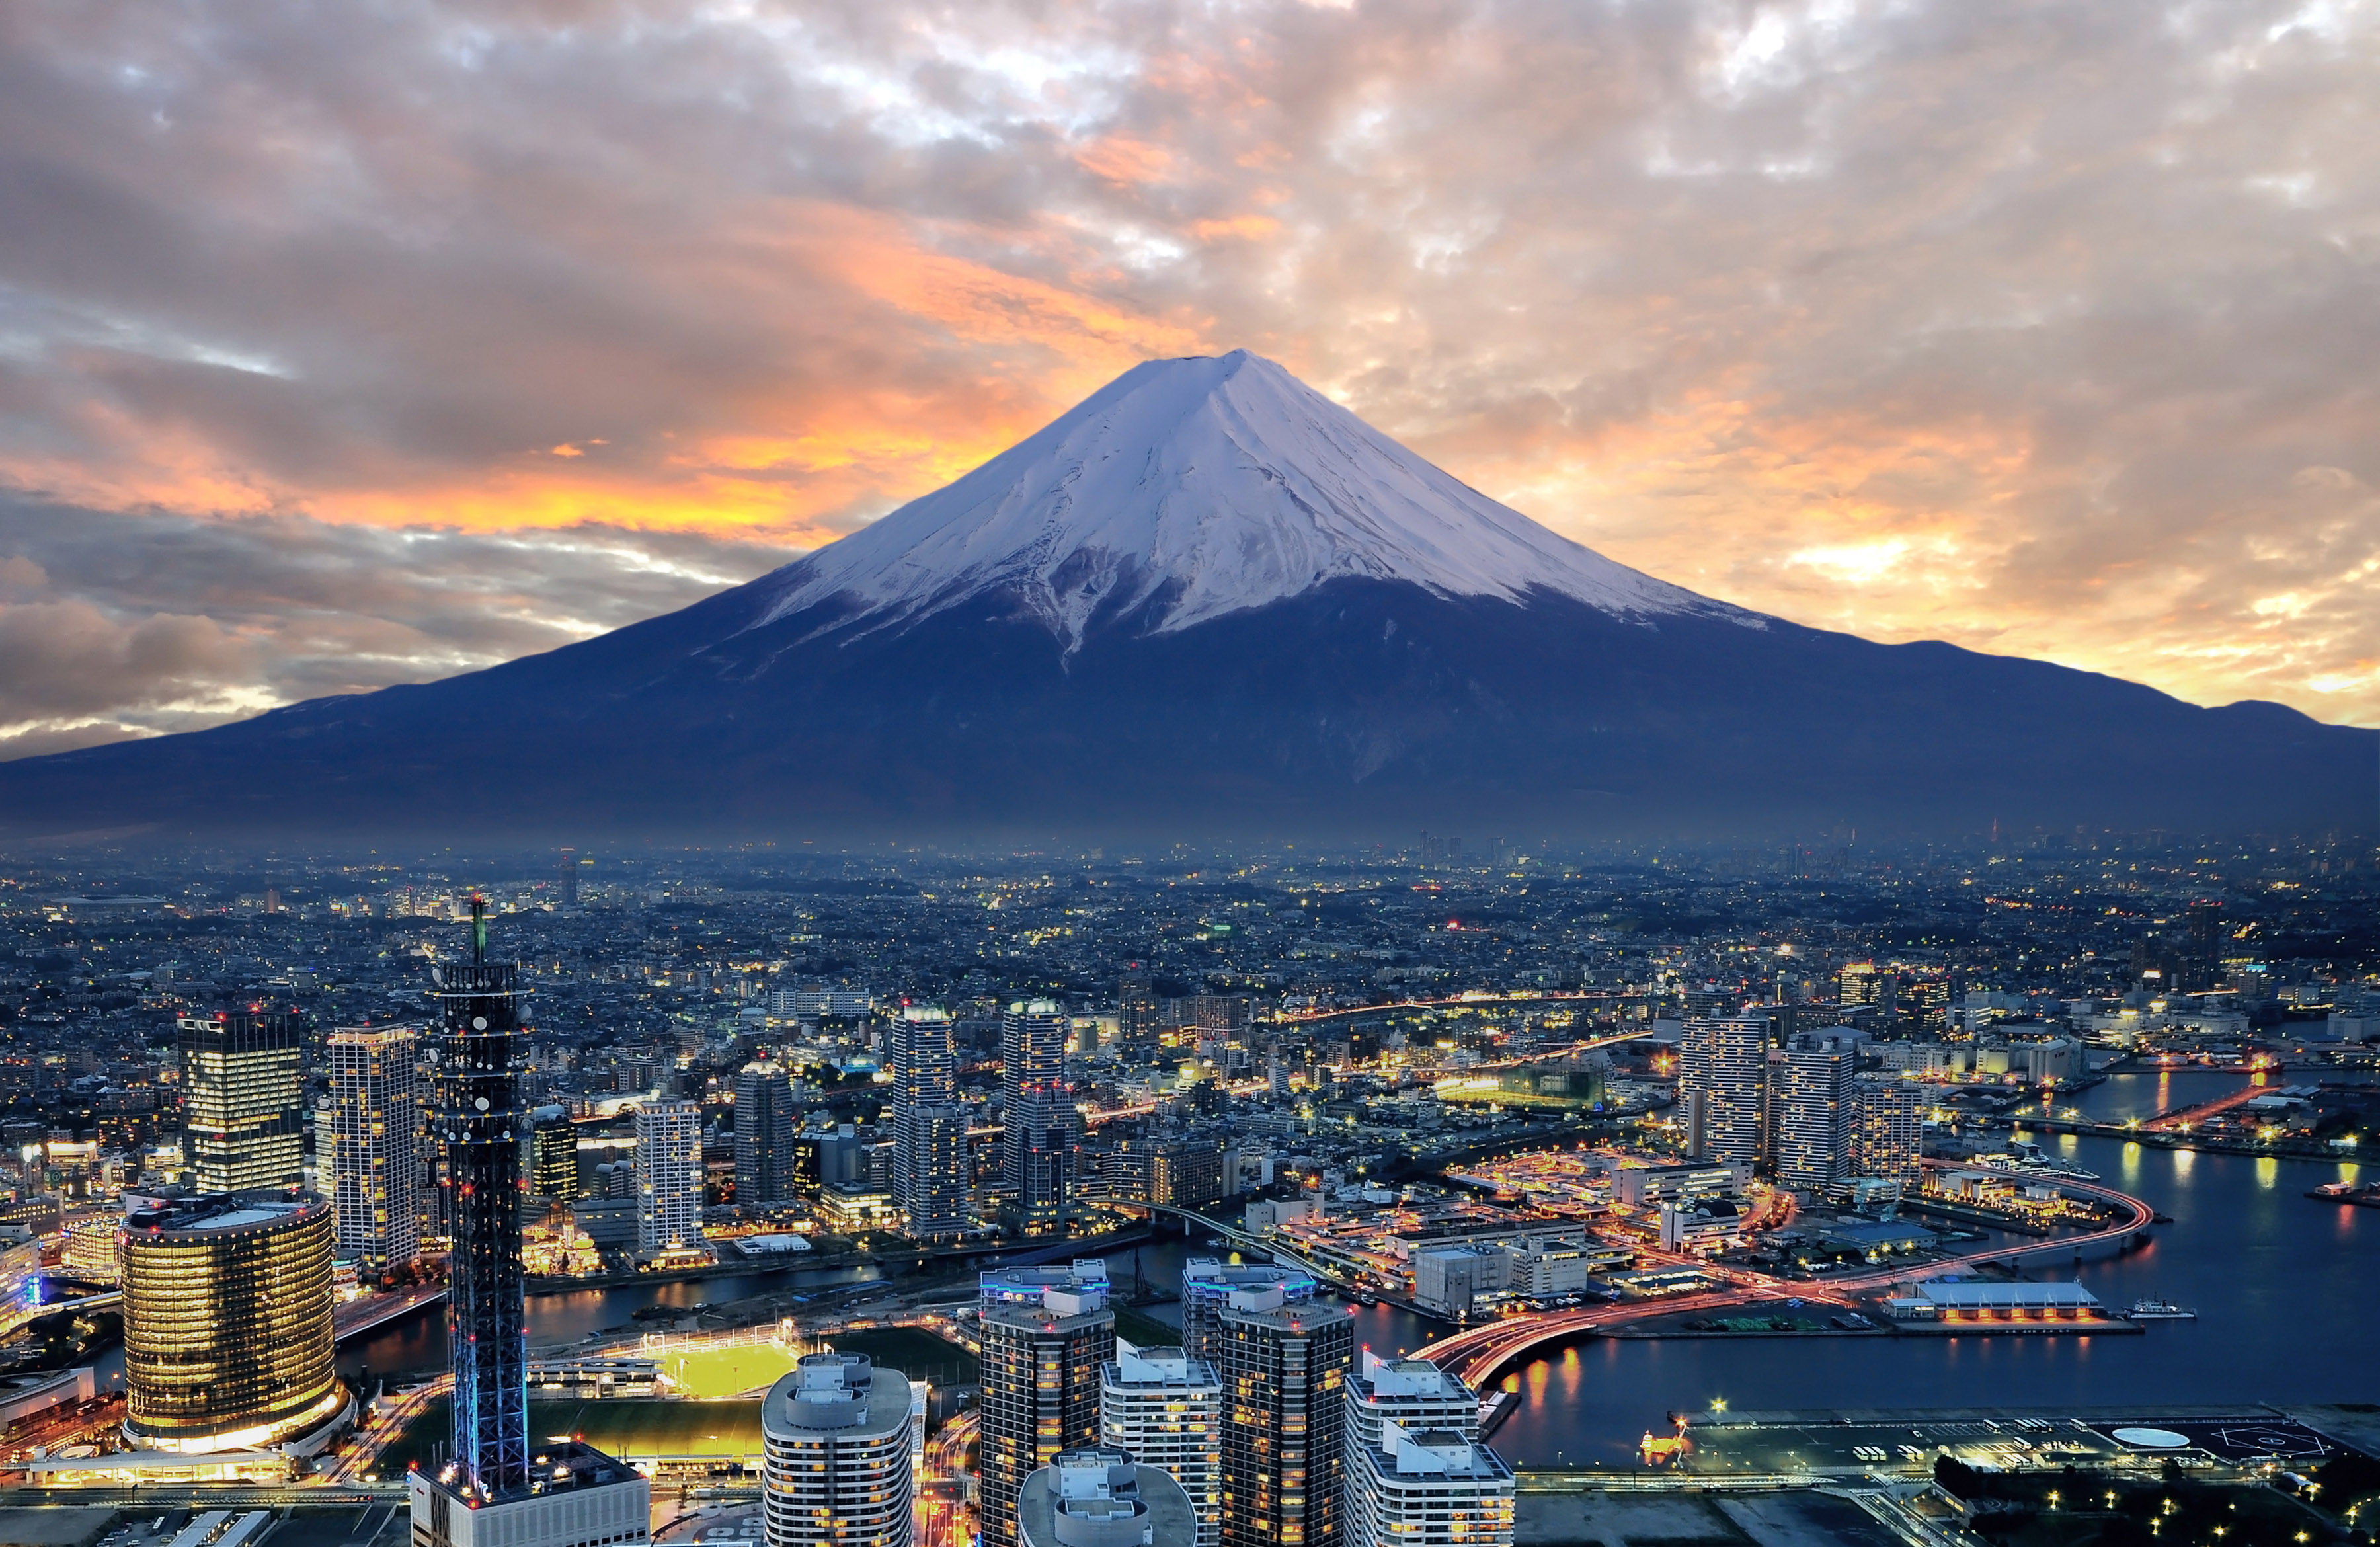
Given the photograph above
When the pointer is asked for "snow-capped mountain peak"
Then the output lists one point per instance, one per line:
(1204, 486)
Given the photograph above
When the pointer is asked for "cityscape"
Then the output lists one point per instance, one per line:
(1190, 774)
(1230, 1197)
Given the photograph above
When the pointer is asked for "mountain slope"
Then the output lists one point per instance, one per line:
(1206, 602)
(1208, 486)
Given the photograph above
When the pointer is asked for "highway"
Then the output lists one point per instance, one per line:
(362, 1315)
(360, 1457)
(1478, 1353)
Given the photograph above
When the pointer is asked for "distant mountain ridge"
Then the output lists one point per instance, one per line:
(1206, 602)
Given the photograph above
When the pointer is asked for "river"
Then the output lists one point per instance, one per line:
(2282, 1286)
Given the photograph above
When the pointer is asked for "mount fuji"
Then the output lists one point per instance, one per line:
(1208, 602)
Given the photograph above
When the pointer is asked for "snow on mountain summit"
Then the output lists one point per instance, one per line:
(1207, 484)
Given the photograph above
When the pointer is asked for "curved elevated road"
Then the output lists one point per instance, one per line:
(1478, 1353)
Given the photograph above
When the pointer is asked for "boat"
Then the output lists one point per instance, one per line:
(2158, 1311)
(2364, 1196)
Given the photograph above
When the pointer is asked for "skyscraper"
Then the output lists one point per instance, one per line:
(473, 1116)
(835, 1433)
(764, 1136)
(1045, 1334)
(1207, 1289)
(553, 1154)
(1038, 1134)
(931, 1168)
(1165, 1410)
(227, 1322)
(375, 1167)
(1427, 1487)
(1100, 1496)
(1722, 1078)
(243, 1117)
(1814, 1117)
(1888, 1136)
(669, 1176)
(495, 1490)
(1414, 1392)
(1285, 1368)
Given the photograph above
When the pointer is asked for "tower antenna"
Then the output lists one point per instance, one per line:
(478, 929)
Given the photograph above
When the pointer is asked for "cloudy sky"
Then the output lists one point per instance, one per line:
(343, 345)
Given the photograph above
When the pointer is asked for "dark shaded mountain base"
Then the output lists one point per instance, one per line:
(1358, 709)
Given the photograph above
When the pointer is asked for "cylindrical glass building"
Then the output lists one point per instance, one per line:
(227, 1338)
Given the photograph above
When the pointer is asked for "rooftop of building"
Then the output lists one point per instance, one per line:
(1210, 1273)
(845, 1394)
(1101, 1497)
(1137, 1366)
(1438, 1452)
(214, 1213)
(1380, 1378)
(554, 1467)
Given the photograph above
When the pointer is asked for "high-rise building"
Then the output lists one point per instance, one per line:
(1427, 1487)
(553, 1154)
(669, 1176)
(1888, 1136)
(1139, 1015)
(1100, 1496)
(764, 1136)
(1814, 1119)
(243, 1117)
(494, 1489)
(1045, 1333)
(932, 1169)
(836, 1434)
(227, 1342)
(1207, 1289)
(1284, 1366)
(1414, 1392)
(569, 877)
(375, 1165)
(1722, 1081)
(1039, 1129)
(1165, 1410)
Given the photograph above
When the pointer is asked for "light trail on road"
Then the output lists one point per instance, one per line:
(1480, 1352)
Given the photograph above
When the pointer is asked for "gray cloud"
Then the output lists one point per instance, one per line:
(115, 624)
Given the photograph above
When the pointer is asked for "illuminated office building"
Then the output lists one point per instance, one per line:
(243, 1115)
(837, 1435)
(227, 1338)
(371, 1123)
(553, 1154)
(1045, 1334)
